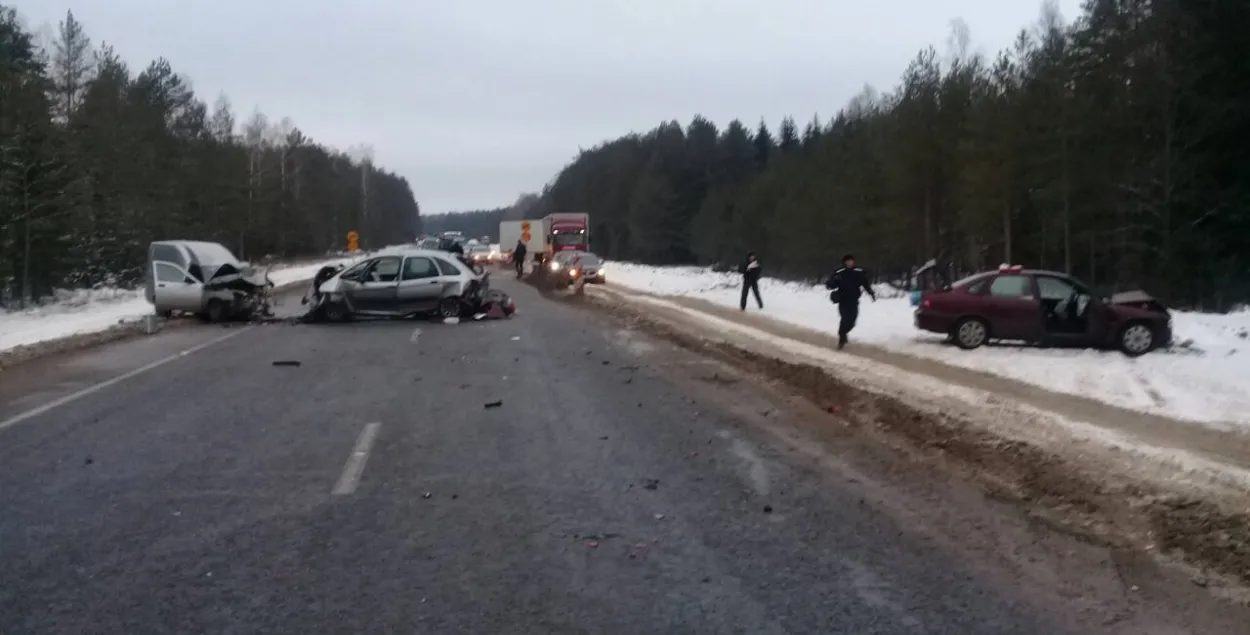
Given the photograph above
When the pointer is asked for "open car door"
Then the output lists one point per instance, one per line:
(375, 288)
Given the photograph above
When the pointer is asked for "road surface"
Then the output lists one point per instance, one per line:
(553, 473)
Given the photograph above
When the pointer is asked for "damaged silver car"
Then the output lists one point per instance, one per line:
(204, 279)
(405, 283)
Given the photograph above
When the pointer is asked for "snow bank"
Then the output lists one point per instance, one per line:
(91, 311)
(1206, 378)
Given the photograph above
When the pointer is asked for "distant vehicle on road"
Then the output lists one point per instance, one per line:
(479, 254)
(1042, 307)
(402, 284)
(564, 232)
(205, 279)
(568, 266)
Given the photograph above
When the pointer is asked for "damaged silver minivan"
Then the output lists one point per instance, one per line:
(405, 283)
(205, 279)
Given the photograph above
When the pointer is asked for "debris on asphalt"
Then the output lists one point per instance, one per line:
(88, 461)
(768, 509)
(603, 438)
(651, 483)
(426, 495)
(516, 338)
(593, 544)
(494, 404)
(286, 362)
(659, 516)
(451, 320)
(605, 362)
(639, 550)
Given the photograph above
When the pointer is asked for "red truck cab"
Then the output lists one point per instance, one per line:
(566, 232)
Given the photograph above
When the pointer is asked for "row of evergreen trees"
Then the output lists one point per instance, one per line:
(96, 162)
(1112, 148)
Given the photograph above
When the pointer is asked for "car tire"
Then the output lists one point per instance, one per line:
(449, 308)
(217, 311)
(164, 314)
(334, 312)
(970, 333)
(1135, 339)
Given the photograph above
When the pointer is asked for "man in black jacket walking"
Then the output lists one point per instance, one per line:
(518, 258)
(751, 271)
(846, 284)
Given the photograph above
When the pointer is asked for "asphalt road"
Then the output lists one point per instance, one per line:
(371, 489)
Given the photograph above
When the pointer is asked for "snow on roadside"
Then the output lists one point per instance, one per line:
(94, 310)
(1206, 381)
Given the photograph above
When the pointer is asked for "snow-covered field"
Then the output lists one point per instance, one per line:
(1206, 379)
(94, 310)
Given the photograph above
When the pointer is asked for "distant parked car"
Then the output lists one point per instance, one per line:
(1042, 307)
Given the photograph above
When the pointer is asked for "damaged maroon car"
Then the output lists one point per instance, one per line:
(1045, 308)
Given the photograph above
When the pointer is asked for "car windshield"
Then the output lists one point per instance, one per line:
(590, 260)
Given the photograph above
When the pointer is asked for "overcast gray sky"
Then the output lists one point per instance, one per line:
(476, 101)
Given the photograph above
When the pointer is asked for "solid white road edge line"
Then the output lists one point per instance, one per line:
(57, 403)
(355, 465)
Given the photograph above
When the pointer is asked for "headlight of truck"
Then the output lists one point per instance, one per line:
(555, 266)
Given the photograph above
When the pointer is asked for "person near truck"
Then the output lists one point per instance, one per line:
(751, 271)
(845, 285)
(518, 258)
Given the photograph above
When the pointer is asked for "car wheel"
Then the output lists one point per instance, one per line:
(449, 308)
(218, 311)
(971, 333)
(1136, 339)
(334, 312)
(164, 314)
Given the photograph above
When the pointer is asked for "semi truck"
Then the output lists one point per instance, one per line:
(546, 236)
(565, 232)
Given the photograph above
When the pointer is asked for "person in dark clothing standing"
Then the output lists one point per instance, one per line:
(518, 258)
(751, 271)
(846, 283)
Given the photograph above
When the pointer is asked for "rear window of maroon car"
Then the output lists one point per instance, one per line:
(1011, 287)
